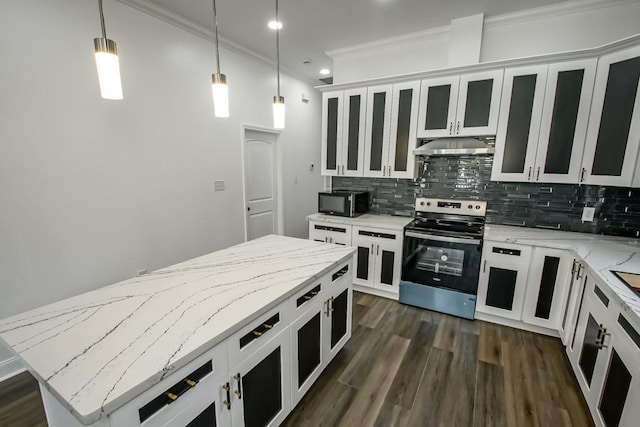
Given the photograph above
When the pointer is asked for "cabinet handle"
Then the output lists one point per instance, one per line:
(384, 170)
(582, 174)
(377, 249)
(326, 308)
(227, 402)
(450, 128)
(190, 383)
(538, 174)
(573, 270)
(238, 378)
(267, 326)
(580, 269)
(330, 239)
(172, 396)
(389, 170)
(458, 128)
(258, 334)
(342, 169)
(372, 248)
(529, 176)
(484, 266)
(330, 304)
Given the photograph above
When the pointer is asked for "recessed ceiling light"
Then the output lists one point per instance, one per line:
(275, 25)
(325, 71)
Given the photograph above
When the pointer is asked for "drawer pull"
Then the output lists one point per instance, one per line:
(172, 396)
(307, 297)
(238, 379)
(267, 326)
(257, 334)
(227, 402)
(190, 383)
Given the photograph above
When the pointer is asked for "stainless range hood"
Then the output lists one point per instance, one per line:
(454, 147)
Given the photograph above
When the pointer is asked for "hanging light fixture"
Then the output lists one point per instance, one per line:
(107, 63)
(218, 80)
(278, 101)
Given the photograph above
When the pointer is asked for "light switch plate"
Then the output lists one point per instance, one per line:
(588, 214)
(218, 185)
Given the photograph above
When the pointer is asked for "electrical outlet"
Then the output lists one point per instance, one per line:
(588, 214)
(218, 185)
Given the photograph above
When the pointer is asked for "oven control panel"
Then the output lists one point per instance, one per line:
(460, 207)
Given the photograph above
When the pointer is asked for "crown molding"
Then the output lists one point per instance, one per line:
(390, 40)
(149, 8)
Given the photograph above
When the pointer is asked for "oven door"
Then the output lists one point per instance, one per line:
(441, 261)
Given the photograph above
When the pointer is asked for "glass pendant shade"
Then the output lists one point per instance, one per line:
(108, 68)
(220, 95)
(278, 112)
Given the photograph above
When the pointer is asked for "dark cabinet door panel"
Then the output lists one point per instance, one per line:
(589, 353)
(438, 107)
(478, 105)
(402, 134)
(563, 121)
(207, 418)
(353, 132)
(386, 271)
(362, 267)
(501, 288)
(308, 348)
(547, 286)
(377, 131)
(332, 132)
(615, 121)
(339, 317)
(519, 123)
(614, 394)
(262, 391)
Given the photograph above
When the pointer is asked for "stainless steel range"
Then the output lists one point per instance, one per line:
(441, 257)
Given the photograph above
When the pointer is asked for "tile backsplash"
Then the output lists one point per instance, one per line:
(551, 206)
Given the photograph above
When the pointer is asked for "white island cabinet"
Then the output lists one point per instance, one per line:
(216, 340)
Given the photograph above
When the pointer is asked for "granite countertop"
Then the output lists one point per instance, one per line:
(598, 253)
(98, 350)
(388, 222)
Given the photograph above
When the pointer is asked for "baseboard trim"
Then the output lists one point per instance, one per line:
(9, 368)
(376, 292)
(516, 324)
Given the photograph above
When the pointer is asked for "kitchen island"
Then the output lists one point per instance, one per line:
(122, 354)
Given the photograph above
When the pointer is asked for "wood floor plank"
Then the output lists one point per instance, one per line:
(489, 406)
(490, 344)
(549, 415)
(392, 416)
(26, 410)
(407, 380)
(520, 406)
(459, 398)
(368, 402)
(446, 335)
(375, 313)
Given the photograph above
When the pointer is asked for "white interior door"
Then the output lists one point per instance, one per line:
(260, 181)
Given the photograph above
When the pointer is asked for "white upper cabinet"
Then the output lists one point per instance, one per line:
(613, 134)
(464, 105)
(390, 131)
(564, 121)
(543, 122)
(519, 125)
(343, 124)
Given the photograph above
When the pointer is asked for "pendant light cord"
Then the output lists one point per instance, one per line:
(215, 24)
(278, 46)
(104, 31)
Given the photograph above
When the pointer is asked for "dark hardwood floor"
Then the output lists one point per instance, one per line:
(409, 367)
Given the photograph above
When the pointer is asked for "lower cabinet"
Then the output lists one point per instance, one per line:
(605, 359)
(549, 273)
(378, 258)
(503, 279)
(260, 385)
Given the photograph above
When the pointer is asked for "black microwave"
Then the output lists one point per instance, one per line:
(343, 203)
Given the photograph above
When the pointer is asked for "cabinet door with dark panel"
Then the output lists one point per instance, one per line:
(388, 266)
(261, 385)
(306, 350)
(503, 279)
(437, 110)
(336, 316)
(478, 103)
(404, 115)
(332, 132)
(377, 130)
(547, 287)
(352, 155)
(613, 134)
(519, 123)
(619, 400)
(364, 261)
(565, 115)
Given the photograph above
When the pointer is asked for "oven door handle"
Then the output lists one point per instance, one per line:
(474, 242)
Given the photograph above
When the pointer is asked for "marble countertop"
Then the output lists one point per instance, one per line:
(98, 350)
(599, 254)
(366, 220)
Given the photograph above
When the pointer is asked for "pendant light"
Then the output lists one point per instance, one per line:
(107, 63)
(218, 80)
(278, 101)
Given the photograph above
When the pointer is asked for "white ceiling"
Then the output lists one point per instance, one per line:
(313, 27)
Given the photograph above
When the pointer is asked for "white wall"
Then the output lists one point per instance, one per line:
(91, 191)
(563, 27)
